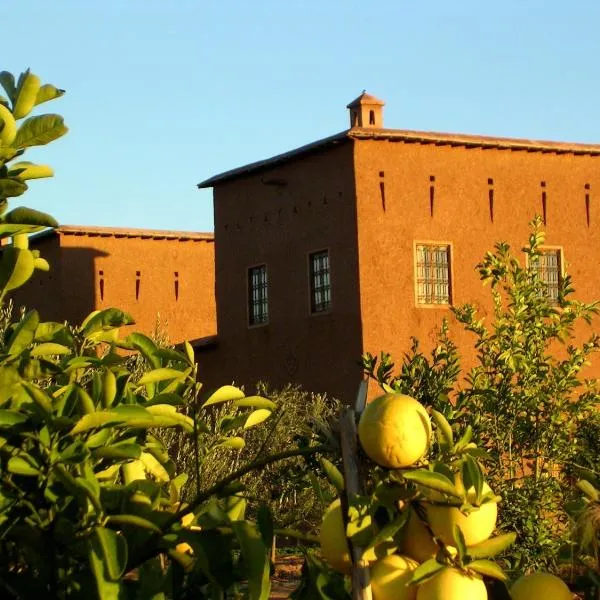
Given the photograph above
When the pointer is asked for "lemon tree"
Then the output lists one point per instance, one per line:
(426, 521)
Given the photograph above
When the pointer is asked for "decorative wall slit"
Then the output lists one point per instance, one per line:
(138, 276)
(431, 193)
(544, 202)
(491, 198)
(176, 284)
(101, 283)
(587, 203)
(382, 189)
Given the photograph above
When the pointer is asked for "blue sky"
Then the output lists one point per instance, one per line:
(161, 95)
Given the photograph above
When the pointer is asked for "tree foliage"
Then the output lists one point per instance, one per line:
(526, 398)
(91, 503)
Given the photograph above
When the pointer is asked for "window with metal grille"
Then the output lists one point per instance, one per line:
(320, 282)
(433, 274)
(549, 269)
(258, 302)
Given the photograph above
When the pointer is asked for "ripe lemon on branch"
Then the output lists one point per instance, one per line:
(390, 578)
(540, 585)
(452, 584)
(395, 431)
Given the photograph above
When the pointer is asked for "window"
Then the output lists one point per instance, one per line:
(433, 274)
(548, 266)
(258, 303)
(320, 282)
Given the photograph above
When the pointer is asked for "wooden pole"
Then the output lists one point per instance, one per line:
(361, 580)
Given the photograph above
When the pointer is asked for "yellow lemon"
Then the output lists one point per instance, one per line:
(394, 431)
(334, 543)
(184, 548)
(390, 578)
(417, 542)
(540, 585)
(477, 526)
(452, 584)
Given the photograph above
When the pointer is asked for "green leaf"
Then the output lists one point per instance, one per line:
(90, 491)
(256, 417)
(444, 428)
(107, 588)
(104, 320)
(24, 333)
(146, 346)
(47, 92)
(50, 348)
(52, 332)
(26, 93)
(237, 443)
(28, 216)
(109, 388)
(487, 568)
(154, 467)
(37, 131)
(189, 352)
(133, 521)
(256, 559)
(459, 542)
(171, 399)
(390, 530)
(114, 550)
(16, 267)
(464, 440)
(19, 466)
(168, 355)
(94, 420)
(492, 546)
(8, 83)
(255, 402)
(224, 394)
(39, 396)
(434, 481)
(425, 571)
(235, 507)
(162, 374)
(11, 187)
(9, 418)
(473, 477)
(589, 490)
(333, 474)
(118, 451)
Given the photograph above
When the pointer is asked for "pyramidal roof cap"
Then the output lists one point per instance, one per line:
(365, 98)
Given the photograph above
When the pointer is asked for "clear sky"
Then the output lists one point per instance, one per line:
(162, 94)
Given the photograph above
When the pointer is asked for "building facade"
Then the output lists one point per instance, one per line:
(163, 278)
(358, 241)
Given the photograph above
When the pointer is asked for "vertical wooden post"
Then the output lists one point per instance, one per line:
(361, 581)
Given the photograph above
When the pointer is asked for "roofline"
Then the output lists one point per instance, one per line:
(474, 141)
(406, 136)
(124, 232)
(209, 342)
(317, 146)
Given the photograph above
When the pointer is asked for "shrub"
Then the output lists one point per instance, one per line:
(525, 398)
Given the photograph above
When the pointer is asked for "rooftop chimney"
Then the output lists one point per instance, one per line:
(366, 111)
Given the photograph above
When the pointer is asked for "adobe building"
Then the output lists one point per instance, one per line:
(360, 240)
(164, 276)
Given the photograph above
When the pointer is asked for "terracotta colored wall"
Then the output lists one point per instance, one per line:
(75, 279)
(279, 225)
(461, 216)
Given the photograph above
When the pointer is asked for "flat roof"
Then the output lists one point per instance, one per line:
(126, 232)
(407, 136)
